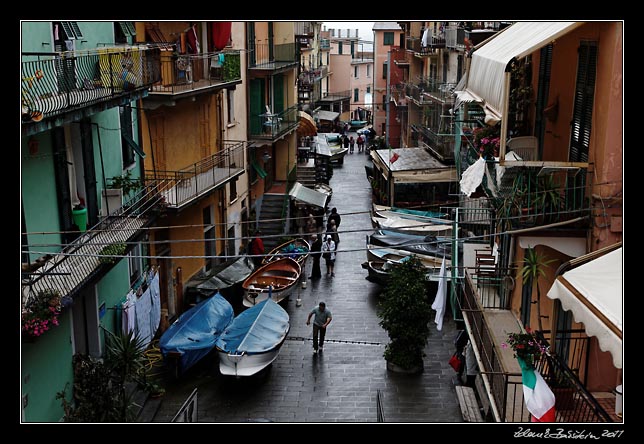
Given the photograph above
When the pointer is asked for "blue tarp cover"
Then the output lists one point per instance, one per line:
(256, 330)
(195, 332)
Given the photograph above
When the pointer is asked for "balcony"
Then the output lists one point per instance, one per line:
(182, 187)
(304, 29)
(183, 74)
(274, 125)
(398, 95)
(455, 38)
(488, 322)
(441, 145)
(399, 57)
(427, 90)
(325, 44)
(78, 264)
(58, 88)
(269, 57)
(434, 42)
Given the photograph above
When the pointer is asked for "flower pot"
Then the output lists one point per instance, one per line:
(80, 218)
(411, 371)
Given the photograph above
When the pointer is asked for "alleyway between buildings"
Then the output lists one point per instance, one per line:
(342, 383)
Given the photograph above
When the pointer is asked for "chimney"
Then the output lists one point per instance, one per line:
(348, 33)
(356, 32)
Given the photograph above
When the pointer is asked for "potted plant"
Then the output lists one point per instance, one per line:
(110, 252)
(405, 313)
(40, 313)
(534, 265)
(526, 346)
(125, 183)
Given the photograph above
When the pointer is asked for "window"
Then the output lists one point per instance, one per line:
(123, 30)
(251, 159)
(230, 95)
(368, 90)
(352, 48)
(209, 233)
(384, 102)
(388, 38)
(384, 70)
(135, 263)
(583, 102)
(356, 95)
(355, 72)
(339, 47)
(327, 58)
(125, 113)
(231, 241)
(232, 189)
(70, 29)
(368, 71)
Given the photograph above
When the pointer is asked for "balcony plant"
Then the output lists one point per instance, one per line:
(405, 313)
(125, 183)
(487, 141)
(534, 265)
(526, 346)
(110, 254)
(40, 313)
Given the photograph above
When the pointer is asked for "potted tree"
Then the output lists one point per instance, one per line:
(405, 313)
(534, 265)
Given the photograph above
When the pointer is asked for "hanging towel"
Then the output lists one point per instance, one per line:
(441, 297)
(143, 306)
(472, 177)
(155, 312)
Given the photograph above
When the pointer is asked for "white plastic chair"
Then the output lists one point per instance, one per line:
(526, 147)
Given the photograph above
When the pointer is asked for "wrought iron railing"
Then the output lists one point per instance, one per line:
(54, 83)
(267, 56)
(440, 144)
(274, 125)
(325, 44)
(201, 177)
(67, 271)
(186, 72)
(434, 42)
(574, 402)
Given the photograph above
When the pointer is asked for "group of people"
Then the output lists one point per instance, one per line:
(326, 246)
(350, 142)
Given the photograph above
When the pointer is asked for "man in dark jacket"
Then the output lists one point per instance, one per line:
(316, 248)
(335, 217)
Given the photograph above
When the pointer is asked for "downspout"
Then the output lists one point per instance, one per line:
(386, 104)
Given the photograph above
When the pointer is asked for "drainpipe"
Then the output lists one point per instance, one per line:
(386, 104)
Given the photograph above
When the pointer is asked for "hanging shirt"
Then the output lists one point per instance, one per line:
(155, 311)
(143, 308)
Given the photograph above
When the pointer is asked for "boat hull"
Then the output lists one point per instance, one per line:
(246, 365)
(278, 278)
(300, 258)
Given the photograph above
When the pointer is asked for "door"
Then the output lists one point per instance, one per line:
(85, 323)
(278, 93)
(257, 104)
(251, 44)
(89, 173)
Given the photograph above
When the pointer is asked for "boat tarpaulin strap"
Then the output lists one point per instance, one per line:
(489, 62)
(593, 292)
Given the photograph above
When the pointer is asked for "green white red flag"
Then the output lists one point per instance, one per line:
(539, 399)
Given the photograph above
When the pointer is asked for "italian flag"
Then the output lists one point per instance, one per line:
(539, 399)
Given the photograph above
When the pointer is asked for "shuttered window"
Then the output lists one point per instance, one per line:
(583, 102)
(543, 89)
(72, 31)
(128, 28)
(388, 38)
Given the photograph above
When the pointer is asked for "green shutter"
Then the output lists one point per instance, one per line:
(583, 102)
(256, 105)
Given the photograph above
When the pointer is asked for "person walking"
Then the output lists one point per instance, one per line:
(345, 141)
(352, 144)
(335, 217)
(257, 249)
(321, 320)
(333, 231)
(316, 252)
(360, 143)
(328, 253)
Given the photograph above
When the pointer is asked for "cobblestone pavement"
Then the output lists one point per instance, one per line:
(340, 384)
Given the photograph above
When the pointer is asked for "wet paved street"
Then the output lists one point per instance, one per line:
(340, 384)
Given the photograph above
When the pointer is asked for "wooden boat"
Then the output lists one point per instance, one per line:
(276, 279)
(406, 212)
(378, 271)
(193, 335)
(338, 153)
(411, 226)
(357, 123)
(417, 244)
(253, 340)
(378, 253)
(297, 249)
(324, 188)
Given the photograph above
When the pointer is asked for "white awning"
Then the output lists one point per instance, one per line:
(308, 196)
(593, 292)
(486, 78)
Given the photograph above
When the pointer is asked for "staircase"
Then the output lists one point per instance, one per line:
(306, 175)
(272, 205)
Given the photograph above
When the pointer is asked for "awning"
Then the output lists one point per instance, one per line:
(593, 292)
(327, 115)
(260, 171)
(307, 195)
(307, 125)
(486, 78)
(135, 146)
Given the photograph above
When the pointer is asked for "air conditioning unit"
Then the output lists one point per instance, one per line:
(112, 198)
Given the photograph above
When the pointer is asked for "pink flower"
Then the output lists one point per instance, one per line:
(504, 345)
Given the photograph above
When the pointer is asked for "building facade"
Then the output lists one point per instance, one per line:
(387, 35)
(81, 165)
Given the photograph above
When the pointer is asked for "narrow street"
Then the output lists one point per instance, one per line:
(340, 384)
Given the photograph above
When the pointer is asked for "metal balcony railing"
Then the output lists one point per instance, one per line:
(338, 95)
(272, 126)
(181, 73)
(55, 83)
(76, 264)
(455, 37)
(574, 402)
(271, 56)
(189, 183)
(426, 89)
(325, 44)
(304, 28)
(440, 144)
(434, 42)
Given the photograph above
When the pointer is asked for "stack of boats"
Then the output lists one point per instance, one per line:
(401, 233)
(246, 344)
